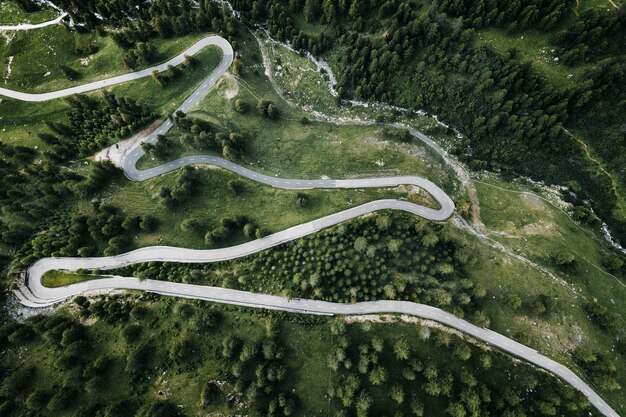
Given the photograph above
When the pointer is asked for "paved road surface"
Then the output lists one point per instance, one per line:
(34, 294)
(84, 88)
(228, 296)
(29, 26)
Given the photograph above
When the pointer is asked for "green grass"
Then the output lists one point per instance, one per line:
(11, 13)
(39, 54)
(62, 278)
(535, 46)
(22, 120)
(599, 4)
(271, 208)
(536, 228)
(306, 341)
(287, 148)
(166, 99)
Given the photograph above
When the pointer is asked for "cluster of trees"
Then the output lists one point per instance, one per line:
(92, 123)
(599, 366)
(84, 370)
(267, 109)
(187, 180)
(256, 367)
(102, 229)
(32, 188)
(366, 365)
(202, 135)
(281, 25)
(142, 54)
(514, 15)
(166, 77)
(375, 369)
(387, 256)
(597, 33)
(140, 21)
(28, 6)
(172, 73)
(72, 342)
(231, 225)
(401, 135)
(603, 317)
(513, 117)
(160, 150)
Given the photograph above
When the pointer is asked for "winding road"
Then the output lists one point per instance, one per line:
(29, 26)
(34, 294)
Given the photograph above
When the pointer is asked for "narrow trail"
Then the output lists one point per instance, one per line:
(476, 228)
(614, 183)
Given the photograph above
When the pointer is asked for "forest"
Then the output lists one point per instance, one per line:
(152, 356)
(515, 121)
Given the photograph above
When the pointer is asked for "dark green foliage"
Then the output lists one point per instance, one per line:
(99, 229)
(388, 256)
(111, 309)
(92, 123)
(513, 118)
(267, 109)
(149, 223)
(186, 183)
(141, 21)
(28, 6)
(142, 54)
(70, 73)
(131, 333)
(596, 34)
(29, 192)
(602, 316)
(166, 77)
(302, 200)
(202, 135)
(228, 227)
(159, 150)
(361, 381)
(159, 409)
(514, 15)
(241, 106)
(138, 361)
(18, 381)
(599, 366)
(63, 398)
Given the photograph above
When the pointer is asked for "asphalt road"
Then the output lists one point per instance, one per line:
(84, 88)
(38, 296)
(34, 294)
(29, 26)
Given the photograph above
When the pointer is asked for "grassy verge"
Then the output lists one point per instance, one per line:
(38, 56)
(167, 373)
(22, 121)
(535, 226)
(62, 278)
(270, 208)
(289, 148)
(12, 14)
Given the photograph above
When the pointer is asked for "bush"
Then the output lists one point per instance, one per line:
(241, 106)
(63, 398)
(149, 223)
(235, 187)
(267, 109)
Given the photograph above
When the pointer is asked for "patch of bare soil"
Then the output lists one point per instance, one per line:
(563, 337)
